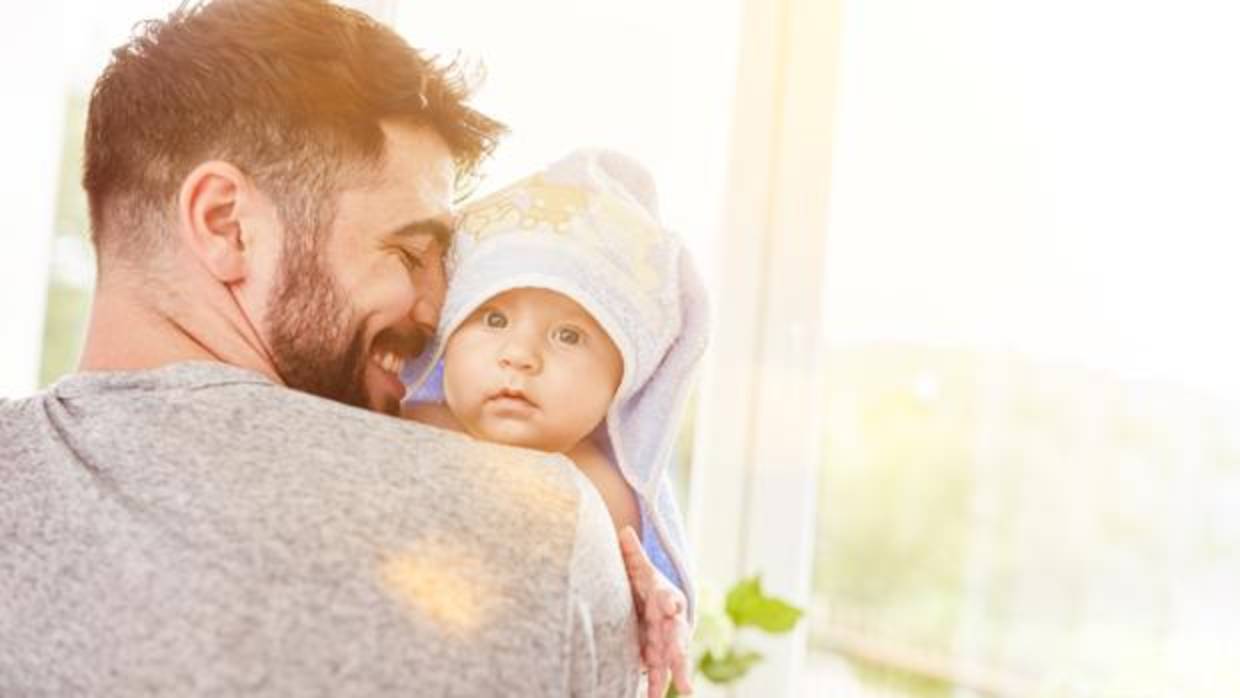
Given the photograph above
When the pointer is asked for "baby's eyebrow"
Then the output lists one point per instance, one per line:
(583, 320)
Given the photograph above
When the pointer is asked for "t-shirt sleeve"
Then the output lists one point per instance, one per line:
(603, 657)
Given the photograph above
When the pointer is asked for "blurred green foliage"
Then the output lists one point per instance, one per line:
(67, 310)
(68, 298)
(748, 606)
(72, 214)
(716, 653)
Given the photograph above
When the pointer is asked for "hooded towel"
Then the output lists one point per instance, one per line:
(588, 227)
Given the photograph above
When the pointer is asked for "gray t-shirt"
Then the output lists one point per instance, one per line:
(198, 530)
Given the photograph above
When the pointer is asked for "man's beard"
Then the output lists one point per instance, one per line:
(309, 333)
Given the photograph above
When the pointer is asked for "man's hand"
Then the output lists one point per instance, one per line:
(662, 618)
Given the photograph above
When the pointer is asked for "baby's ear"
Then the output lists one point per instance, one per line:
(635, 179)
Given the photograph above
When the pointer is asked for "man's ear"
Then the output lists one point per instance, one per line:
(211, 208)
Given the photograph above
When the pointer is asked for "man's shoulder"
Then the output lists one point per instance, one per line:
(223, 413)
(287, 418)
(411, 536)
(248, 449)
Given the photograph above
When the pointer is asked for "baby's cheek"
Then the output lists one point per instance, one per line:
(451, 394)
(459, 395)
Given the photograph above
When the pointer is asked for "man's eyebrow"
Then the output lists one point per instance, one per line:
(437, 229)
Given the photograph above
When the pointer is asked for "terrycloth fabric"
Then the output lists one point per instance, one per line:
(588, 227)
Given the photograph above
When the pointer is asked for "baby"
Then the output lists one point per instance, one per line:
(573, 323)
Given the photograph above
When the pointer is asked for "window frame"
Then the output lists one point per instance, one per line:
(753, 492)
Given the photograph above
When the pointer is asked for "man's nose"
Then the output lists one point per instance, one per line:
(425, 315)
(429, 299)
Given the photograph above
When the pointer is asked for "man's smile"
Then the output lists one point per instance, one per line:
(389, 361)
(393, 347)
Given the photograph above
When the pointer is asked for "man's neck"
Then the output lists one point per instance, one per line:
(128, 331)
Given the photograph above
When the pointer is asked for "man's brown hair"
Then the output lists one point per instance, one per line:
(292, 92)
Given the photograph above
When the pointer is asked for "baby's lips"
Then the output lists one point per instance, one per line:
(512, 393)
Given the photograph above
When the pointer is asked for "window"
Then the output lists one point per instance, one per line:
(1031, 440)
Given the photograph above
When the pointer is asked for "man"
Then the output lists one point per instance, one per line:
(270, 186)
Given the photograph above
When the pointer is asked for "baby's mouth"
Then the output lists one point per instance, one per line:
(514, 394)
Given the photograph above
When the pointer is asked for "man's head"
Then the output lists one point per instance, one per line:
(530, 367)
(305, 158)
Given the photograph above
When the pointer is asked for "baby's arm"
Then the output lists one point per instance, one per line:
(621, 503)
(661, 615)
(661, 607)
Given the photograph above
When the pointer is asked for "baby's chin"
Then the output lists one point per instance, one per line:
(536, 444)
(519, 438)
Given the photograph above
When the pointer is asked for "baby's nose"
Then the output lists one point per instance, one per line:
(516, 355)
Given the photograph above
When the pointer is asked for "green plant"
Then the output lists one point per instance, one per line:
(717, 656)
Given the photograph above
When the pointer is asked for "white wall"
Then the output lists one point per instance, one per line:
(30, 136)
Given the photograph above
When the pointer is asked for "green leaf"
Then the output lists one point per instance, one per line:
(748, 606)
(728, 669)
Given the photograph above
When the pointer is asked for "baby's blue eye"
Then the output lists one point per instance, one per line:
(567, 335)
(494, 318)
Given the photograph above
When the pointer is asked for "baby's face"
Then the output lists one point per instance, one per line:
(531, 368)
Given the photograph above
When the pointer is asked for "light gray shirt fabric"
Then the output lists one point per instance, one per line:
(197, 530)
